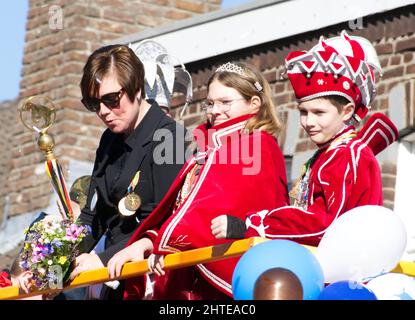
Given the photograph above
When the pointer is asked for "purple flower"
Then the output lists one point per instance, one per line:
(47, 249)
(73, 232)
(38, 248)
(57, 243)
(24, 265)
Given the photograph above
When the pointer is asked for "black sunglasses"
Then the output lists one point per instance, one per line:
(111, 100)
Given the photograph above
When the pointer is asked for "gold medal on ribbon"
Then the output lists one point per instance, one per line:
(122, 208)
(132, 201)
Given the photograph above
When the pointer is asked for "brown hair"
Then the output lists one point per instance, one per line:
(266, 118)
(113, 58)
(338, 101)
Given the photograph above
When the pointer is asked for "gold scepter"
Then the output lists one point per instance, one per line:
(38, 113)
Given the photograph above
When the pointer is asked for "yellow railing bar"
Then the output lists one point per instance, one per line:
(132, 269)
(405, 267)
(172, 261)
(7, 292)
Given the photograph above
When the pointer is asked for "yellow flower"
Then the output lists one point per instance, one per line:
(62, 260)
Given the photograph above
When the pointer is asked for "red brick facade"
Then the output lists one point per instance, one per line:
(60, 36)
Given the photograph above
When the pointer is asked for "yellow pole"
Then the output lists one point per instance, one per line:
(172, 261)
(133, 269)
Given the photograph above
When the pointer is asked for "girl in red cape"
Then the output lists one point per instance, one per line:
(238, 158)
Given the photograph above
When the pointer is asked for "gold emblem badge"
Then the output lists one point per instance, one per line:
(132, 201)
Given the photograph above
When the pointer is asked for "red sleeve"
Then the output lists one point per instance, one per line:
(341, 182)
(5, 279)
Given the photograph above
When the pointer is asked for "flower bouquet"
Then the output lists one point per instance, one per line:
(50, 246)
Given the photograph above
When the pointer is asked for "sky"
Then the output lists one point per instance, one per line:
(233, 3)
(13, 17)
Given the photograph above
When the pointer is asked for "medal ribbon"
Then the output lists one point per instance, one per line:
(54, 171)
(301, 192)
(343, 139)
(134, 182)
(187, 185)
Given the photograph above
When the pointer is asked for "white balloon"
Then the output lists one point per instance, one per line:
(362, 243)
(393, 286)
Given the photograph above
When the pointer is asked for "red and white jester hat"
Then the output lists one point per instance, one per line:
(341, 66)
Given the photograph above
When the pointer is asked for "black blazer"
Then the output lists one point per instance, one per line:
(147, 151)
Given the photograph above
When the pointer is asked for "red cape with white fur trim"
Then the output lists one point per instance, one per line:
(244, 183)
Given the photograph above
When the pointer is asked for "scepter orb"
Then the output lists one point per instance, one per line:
(38, 113)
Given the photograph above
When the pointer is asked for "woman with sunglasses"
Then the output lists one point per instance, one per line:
(130, 175)
(238, 158)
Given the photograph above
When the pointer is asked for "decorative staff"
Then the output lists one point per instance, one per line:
(38, 113)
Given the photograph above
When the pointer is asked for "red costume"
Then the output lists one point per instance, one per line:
(343, 173)
(232, 173)
(5, 280)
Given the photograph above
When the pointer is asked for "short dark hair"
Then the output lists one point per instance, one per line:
(120, 59)
(338, 101)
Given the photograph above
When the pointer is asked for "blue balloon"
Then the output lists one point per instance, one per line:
(347, 290)
(277, 254)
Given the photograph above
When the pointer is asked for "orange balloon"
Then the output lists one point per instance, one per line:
(278, 284)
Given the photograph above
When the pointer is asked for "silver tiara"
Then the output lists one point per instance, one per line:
(230, 67)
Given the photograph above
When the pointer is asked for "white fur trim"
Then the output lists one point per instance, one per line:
(214, 278)
(272, 236)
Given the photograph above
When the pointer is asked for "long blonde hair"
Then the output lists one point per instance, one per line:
(248, 84)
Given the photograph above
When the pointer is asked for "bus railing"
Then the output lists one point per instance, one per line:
(171, 261)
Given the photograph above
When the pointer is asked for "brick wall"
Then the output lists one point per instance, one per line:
(60, 36)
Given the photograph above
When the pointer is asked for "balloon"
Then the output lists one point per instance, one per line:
(347, 290)
(362, 243)
(393, 286)
(277, 254)
(278, 284)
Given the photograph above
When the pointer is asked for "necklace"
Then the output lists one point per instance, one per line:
(301, 189)
(300, 192)
(188, 185)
